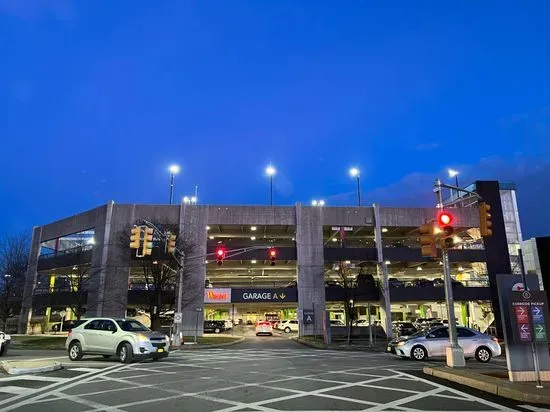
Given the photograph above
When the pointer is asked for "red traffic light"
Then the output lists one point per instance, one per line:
(272, 255)
(445, 219)
(220, 255)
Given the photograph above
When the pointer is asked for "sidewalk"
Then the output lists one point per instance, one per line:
(493, 381)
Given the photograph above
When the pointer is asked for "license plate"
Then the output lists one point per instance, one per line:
(388, 349)
(160, 350)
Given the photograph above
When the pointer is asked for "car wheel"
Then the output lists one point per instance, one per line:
(106, 356)
(287, 330)
(418, 353)
(125, 353)
(217, 330)
(483, 354)
(75, 351)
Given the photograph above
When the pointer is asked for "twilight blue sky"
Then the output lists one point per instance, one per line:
(97, 98)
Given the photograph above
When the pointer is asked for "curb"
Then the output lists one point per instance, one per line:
(488, 384)
(212, 346)
(11, 368)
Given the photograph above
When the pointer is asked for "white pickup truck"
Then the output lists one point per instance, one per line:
(5, 340)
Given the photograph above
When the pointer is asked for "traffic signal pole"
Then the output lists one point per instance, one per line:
(455, 354)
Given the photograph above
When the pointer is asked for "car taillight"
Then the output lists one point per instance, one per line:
(70, 333)
(494, 339)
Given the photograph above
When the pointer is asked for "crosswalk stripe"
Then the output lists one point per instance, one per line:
(15, 390)
(33, 378)
(84, 369)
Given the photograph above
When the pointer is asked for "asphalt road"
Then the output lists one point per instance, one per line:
(260, 374)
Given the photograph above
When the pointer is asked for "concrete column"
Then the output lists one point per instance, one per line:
(311, 269)
(108, 284)
(30, 282)
(192, 228)
(382, 268)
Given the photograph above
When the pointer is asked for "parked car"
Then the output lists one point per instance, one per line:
(289, 326)
(420, 283)
(441, 283)
(5, 341)
(395, 283)
(68, 325)
(127, 339)
(214, 326)
(264, 327)
(332, 284)
(337, 322)
(433, 343)
(404, 328)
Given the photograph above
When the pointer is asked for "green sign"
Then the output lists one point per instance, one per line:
(540, 332)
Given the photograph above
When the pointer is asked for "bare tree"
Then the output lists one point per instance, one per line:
(159, 273)
(78, 282)
(14, 255)
(348, 283)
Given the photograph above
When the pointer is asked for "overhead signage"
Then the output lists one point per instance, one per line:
(529, 314)
(346, 228)
(264, 295)
(217, 295)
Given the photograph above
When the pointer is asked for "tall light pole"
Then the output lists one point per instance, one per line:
(354, 172)
(270, 171)
(454, 173)
(174, 169)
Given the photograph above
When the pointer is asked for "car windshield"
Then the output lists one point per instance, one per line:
(419, 333)
(132, 326)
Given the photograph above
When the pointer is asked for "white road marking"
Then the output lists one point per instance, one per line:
(33, 378)
(17, 390)
(534, 408)
(84, 369)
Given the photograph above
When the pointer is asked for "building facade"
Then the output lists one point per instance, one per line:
(83, 264)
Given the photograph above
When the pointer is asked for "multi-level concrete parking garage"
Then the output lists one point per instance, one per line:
(82, 265)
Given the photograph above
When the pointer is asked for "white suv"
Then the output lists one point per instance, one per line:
(127, 339)
(289, 326)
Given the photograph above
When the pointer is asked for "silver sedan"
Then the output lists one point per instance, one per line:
(433, 343)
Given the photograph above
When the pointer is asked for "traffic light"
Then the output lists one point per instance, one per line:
(447, 231)
(485, 222)
(272, 255)
(135, 237)
(148, 241)
(427, 240)
(220, 255)
(170, 243)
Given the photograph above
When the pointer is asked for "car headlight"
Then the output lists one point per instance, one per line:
(167, 338)
(142, 338)
(401, 343)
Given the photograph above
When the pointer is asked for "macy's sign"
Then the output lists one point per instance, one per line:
(217, 295)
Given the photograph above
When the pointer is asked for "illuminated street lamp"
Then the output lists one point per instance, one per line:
(354, 172)
(174, 170)
(270, 171)
(317, 202)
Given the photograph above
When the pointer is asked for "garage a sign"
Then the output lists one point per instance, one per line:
(278, 295)
(530, 316)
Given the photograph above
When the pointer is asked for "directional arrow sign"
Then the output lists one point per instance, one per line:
(540, 332)
(521, 310)
(524, 328)
(536, 310)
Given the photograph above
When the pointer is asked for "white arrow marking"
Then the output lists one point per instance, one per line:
(524, 328)
(536, 310)
(540, 328)
(522, 310)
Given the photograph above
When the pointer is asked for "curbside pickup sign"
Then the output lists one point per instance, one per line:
(529, 315)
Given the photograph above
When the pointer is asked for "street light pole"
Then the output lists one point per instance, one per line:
(358, 192)
(455, 354)
(174, 169)
(171, 187)
(271, 190)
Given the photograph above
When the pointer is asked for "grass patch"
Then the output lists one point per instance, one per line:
(38, 342)
(211, 340)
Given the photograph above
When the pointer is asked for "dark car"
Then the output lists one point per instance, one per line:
(440, 283)
(332, 284)
(404, 328)
(214, 326)
(395, 283)
(420, 283)
(67, 325)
